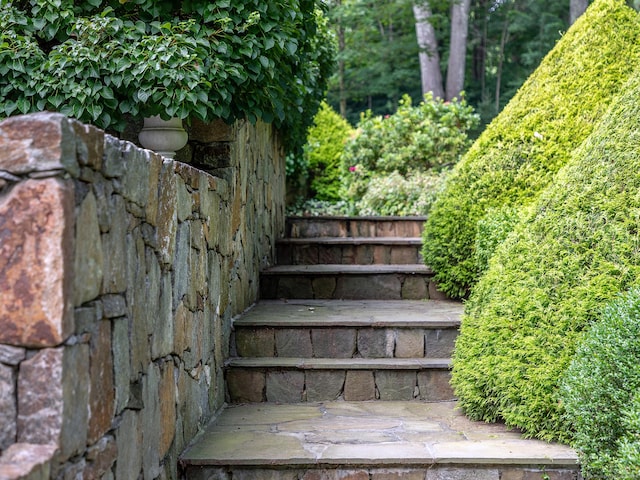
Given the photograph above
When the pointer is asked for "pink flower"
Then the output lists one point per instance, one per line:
(352, 168)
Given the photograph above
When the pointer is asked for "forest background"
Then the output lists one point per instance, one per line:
(487, 48)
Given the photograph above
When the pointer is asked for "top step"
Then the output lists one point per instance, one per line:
(344, 227)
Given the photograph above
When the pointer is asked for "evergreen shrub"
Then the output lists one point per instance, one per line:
(575, 249)
(524, 147)
(601, 392)
(426, 138)
(326, 139)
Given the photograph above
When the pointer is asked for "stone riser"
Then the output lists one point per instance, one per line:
(344, 342)
(249, 385)
(362, 254)
(427, 472)
(383, 286)
(310, 227)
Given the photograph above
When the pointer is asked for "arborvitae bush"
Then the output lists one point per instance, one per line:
(600, 392)
(524, 147)
(326, 139)
(575, 250)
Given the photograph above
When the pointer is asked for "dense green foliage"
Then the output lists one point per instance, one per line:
(522, 149)
(326, 139)
(429, 137)
(576, 248)
(600, 392)
(100, 60)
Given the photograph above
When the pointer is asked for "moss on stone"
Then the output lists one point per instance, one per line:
(524, 147)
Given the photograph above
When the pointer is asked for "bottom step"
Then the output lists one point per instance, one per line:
(368, 440)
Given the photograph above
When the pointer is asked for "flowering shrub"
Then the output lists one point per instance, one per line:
(429, 137)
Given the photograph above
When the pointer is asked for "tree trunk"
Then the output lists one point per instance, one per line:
(577, 8)
(341, 86)
(458, 47)
(430, 73)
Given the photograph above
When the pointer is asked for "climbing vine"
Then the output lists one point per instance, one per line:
(100, 60)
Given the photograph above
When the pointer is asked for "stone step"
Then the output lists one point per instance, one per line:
(349, 250)
(368, 440)
(292, 380)
(361, 282)
(347, 329)
(309, 227)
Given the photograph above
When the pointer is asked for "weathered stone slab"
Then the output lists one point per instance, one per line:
(415, 287)
(27, 461)
(359, 386)
(129, 443)
(246, 385)
(11, 355)
(38, 142)
(323, 287)
(151, 423)
(434, 385)
(336, 475)
(333, 342)
(293, 342)
(324, 384)
(395, 385)
(255, 342)
(381, 287)
(36, 221)
(167, 399)
(375, 343)
(114, 306)
(89, 258)
(472, 473)
(114, 247)
(399, 474)
(409, 343)
(293, 287)
(100, 458)
(101, 393)
(440, 343)
(8, 407)
(121, 363)
(285, 386)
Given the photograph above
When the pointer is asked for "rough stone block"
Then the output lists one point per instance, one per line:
(36, 219)
(89, 258)
(285, 386)
(323, 287)
(395, 385)
(365, 255)
(440, 343)
(114, 247)
(27, 461)
(330, 255)
(359, 386)
(435, 294)
(264, 474)
(381, 287)
(150, 423)
(121, 363)
(12, 355)
(409, 343)
(376, 343)
(255, 342)
(167, 220)
(472, 473)
(129, 443)
(537, 474)
(100, 458)
(8, 407)
(101, 393)
(245, 385)
(434, 385)
(336, 475)
(293, 342)
(399, 474)
(38, 142)
(207, 473)
(415, 287)
(333, 342)
(167, 399)
(404, 255)
(306, 255)
(294, 287)
(324, 385)
(114, 306)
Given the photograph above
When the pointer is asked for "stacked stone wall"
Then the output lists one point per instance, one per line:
(120, 272)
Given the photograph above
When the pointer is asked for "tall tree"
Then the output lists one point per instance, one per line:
(457, 47)
(430, 73)
(577, 8)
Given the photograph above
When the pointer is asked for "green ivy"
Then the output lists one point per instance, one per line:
(520, 152)
(576, 248)
(100, 60)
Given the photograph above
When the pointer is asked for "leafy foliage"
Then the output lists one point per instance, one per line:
(576, 248)
(325, 142)
(99, 60)
(600, 392)
(522, 149)
(428, 137)
(492, 230)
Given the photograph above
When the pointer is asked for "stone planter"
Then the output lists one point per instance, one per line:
(163, 136)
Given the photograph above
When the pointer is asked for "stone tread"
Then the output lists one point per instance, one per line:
(353, 313)
(349, 434)
(337, 269)
(340, 363)
(352, 241)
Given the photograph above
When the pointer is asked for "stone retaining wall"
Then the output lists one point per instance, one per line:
(120, 272)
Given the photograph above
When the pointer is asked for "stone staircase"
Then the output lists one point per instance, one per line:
(341, 372)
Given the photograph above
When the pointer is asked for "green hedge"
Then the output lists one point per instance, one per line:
(600, 391)
(523, 148)
(576, 248)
